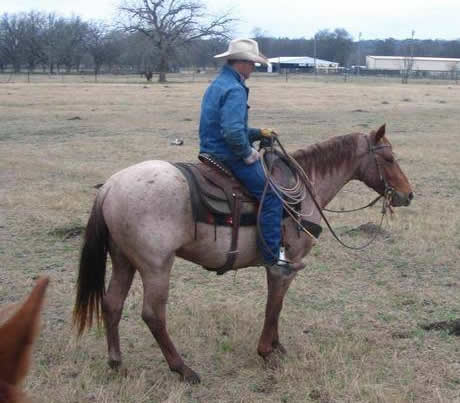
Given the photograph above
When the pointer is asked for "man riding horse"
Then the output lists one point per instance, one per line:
(224, 134)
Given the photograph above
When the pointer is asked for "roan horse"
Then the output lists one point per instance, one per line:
(142, 216)
(18, 329)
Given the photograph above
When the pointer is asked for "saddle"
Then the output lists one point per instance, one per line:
(218, 198)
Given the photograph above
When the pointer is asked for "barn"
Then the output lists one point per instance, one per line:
(300, 63)
(398, 63)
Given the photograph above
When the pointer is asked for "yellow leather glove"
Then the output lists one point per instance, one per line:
(268, 132)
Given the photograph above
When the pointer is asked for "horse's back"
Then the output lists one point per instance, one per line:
(148, 203)
(144, 180)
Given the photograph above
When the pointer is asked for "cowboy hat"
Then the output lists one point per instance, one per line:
(243, 49)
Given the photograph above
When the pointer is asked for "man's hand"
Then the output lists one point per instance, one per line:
(268, 133)
(253, 157)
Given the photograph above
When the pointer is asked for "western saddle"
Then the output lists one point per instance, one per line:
(218, 198)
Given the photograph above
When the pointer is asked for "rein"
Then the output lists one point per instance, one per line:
(388, 191)
(355, 209)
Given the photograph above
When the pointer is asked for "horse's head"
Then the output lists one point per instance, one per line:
(18, 330)
(381, 171)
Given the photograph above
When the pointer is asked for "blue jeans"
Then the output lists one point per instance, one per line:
(253, 178)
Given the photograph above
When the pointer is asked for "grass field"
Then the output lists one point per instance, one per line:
(351, 320)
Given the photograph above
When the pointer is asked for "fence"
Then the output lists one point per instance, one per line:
(88, 77)
(205, 75)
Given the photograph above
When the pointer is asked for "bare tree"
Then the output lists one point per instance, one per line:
(171, 24)
(12, 34)
(408, 62)
(137, 53)
(407, 67)
(72, 36)
(102, 45)
(33, 45)
(52, 35)
(454, 68)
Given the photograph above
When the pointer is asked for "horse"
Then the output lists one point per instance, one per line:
(142, 216)
(18, 331)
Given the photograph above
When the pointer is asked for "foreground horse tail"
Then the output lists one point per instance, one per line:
(91, 274)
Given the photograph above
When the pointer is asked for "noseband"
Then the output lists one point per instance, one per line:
(388, 189)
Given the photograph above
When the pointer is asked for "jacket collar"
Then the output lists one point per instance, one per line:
(236, 74)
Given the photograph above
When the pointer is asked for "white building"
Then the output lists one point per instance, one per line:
(419, 63)
(300, 63)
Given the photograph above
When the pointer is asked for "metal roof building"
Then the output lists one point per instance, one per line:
(299, 62)
(419, 63)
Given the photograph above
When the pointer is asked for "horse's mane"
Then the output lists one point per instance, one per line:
(328, 155)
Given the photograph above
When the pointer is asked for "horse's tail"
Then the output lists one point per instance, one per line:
(91, 274)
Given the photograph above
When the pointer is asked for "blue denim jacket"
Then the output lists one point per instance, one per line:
(224, 131)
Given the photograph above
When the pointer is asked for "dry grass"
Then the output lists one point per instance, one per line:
(350, 321)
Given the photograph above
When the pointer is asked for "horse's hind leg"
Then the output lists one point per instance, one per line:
(156, 289)
(112, 305)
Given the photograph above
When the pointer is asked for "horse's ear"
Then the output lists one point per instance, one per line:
(380, 133)
(18, 334)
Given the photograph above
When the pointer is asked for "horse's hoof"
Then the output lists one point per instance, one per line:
(279, 348)
(115, 364)
(188, 375)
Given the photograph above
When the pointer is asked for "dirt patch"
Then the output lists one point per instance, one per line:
(68, 231)
(451, 326)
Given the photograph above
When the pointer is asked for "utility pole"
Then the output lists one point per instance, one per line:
(314, 53)
(412, 52)
(412, 44)
(359, 53)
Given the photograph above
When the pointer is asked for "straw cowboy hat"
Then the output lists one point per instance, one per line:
(243, 49)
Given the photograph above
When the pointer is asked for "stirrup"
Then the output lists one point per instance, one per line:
(286, 268)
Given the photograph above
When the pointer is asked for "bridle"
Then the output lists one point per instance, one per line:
(388, 190)
(387, 194)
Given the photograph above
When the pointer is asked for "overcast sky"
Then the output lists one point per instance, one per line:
(430, 19)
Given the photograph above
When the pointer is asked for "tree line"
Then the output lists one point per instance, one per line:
(36, 41)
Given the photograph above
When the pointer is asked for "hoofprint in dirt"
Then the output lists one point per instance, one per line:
(351, 321)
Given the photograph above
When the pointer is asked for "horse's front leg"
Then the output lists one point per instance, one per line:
(269, 339)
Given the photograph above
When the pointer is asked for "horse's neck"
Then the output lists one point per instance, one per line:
(330, 165)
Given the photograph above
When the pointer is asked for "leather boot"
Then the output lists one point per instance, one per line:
(286, 268)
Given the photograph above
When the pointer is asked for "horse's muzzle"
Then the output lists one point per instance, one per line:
(400, 199)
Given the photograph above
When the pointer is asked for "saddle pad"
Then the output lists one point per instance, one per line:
(207, 198)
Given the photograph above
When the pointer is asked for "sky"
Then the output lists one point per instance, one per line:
(430, 19)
